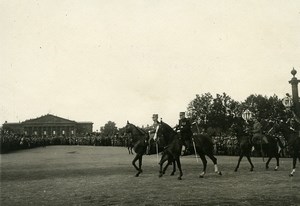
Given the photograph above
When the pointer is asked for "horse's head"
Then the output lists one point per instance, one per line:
(135, 131)
(128, 128)
(165, 132)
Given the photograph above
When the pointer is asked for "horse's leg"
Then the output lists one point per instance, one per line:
(131, 148)
(249, 160)
(140, 163)
(174, 168)
(214, 160)
(137, 157)
(177, 159)
(294, 165)
(162, 160)
(167, 165)
(239, 161)
(204, 162)
(267, 163)
(277, 161)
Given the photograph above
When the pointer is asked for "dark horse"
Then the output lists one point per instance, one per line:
(172, 144)
(204, 146)
(293, 142)
(129, 143)
(140, 141)
(244, 137)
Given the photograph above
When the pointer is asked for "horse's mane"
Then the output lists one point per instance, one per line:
(168, 127)
(139, 129)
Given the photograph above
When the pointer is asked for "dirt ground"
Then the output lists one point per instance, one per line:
(87, 175)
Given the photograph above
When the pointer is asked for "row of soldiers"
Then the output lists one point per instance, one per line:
(257, 133)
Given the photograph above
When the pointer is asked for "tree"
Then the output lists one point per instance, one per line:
(265, 107)
(200, 106)
(214, 113)
(109, 129)
(218, 113)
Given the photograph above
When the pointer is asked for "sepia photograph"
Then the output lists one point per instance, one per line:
(139, 102)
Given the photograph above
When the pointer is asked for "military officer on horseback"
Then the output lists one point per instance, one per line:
(152, 131)
(184, 129)
(258, 136)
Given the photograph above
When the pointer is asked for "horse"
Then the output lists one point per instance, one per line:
(271, 148)
(140, 142)
(204, 146)
(172, 144)
(293, 143)
(246, 143)
(129, 144)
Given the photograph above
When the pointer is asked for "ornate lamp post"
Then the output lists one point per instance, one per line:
(247, 115)
(294, 82)
(287, 102)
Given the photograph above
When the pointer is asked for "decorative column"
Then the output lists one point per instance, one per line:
(294, 82)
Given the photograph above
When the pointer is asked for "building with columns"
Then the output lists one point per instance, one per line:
(49, 125)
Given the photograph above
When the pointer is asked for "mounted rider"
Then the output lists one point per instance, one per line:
(152, 131)
(294, 123)
(273, 134)
(184, 129)
(258, 136)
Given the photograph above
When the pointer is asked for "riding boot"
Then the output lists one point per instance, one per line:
(183, 150)
(279, 148)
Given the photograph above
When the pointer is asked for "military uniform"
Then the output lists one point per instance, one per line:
(258, 137)
(152, 131)
(184, 129)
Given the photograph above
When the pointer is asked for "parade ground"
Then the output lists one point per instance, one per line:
(89, 175)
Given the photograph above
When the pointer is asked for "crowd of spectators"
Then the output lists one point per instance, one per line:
(11, 141)
(223, 145)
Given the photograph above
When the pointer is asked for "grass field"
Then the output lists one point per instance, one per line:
(87, 175)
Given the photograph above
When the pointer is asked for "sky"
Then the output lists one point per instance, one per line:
(117, 60)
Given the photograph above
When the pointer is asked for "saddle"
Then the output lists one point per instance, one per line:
(259, 139)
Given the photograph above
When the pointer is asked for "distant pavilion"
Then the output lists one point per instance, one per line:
(49, 125)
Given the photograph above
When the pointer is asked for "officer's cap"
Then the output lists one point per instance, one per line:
(155, 115)
(182, 113)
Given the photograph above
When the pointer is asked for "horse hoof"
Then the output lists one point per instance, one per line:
(201, 176)
(291, 175)
(137, 174)
(160, 175)
(179, 178)
(172, 174)
(220, 173)
(235, 170)
(267, 168)
(275, 169)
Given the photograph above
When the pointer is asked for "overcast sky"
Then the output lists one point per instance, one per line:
(121, 60)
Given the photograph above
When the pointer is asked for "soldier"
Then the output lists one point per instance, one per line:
(184, 128)
(152, 131)
(295, 122)
(272, 133)
(258, 137)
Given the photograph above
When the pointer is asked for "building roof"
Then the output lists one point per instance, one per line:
(48, 118)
